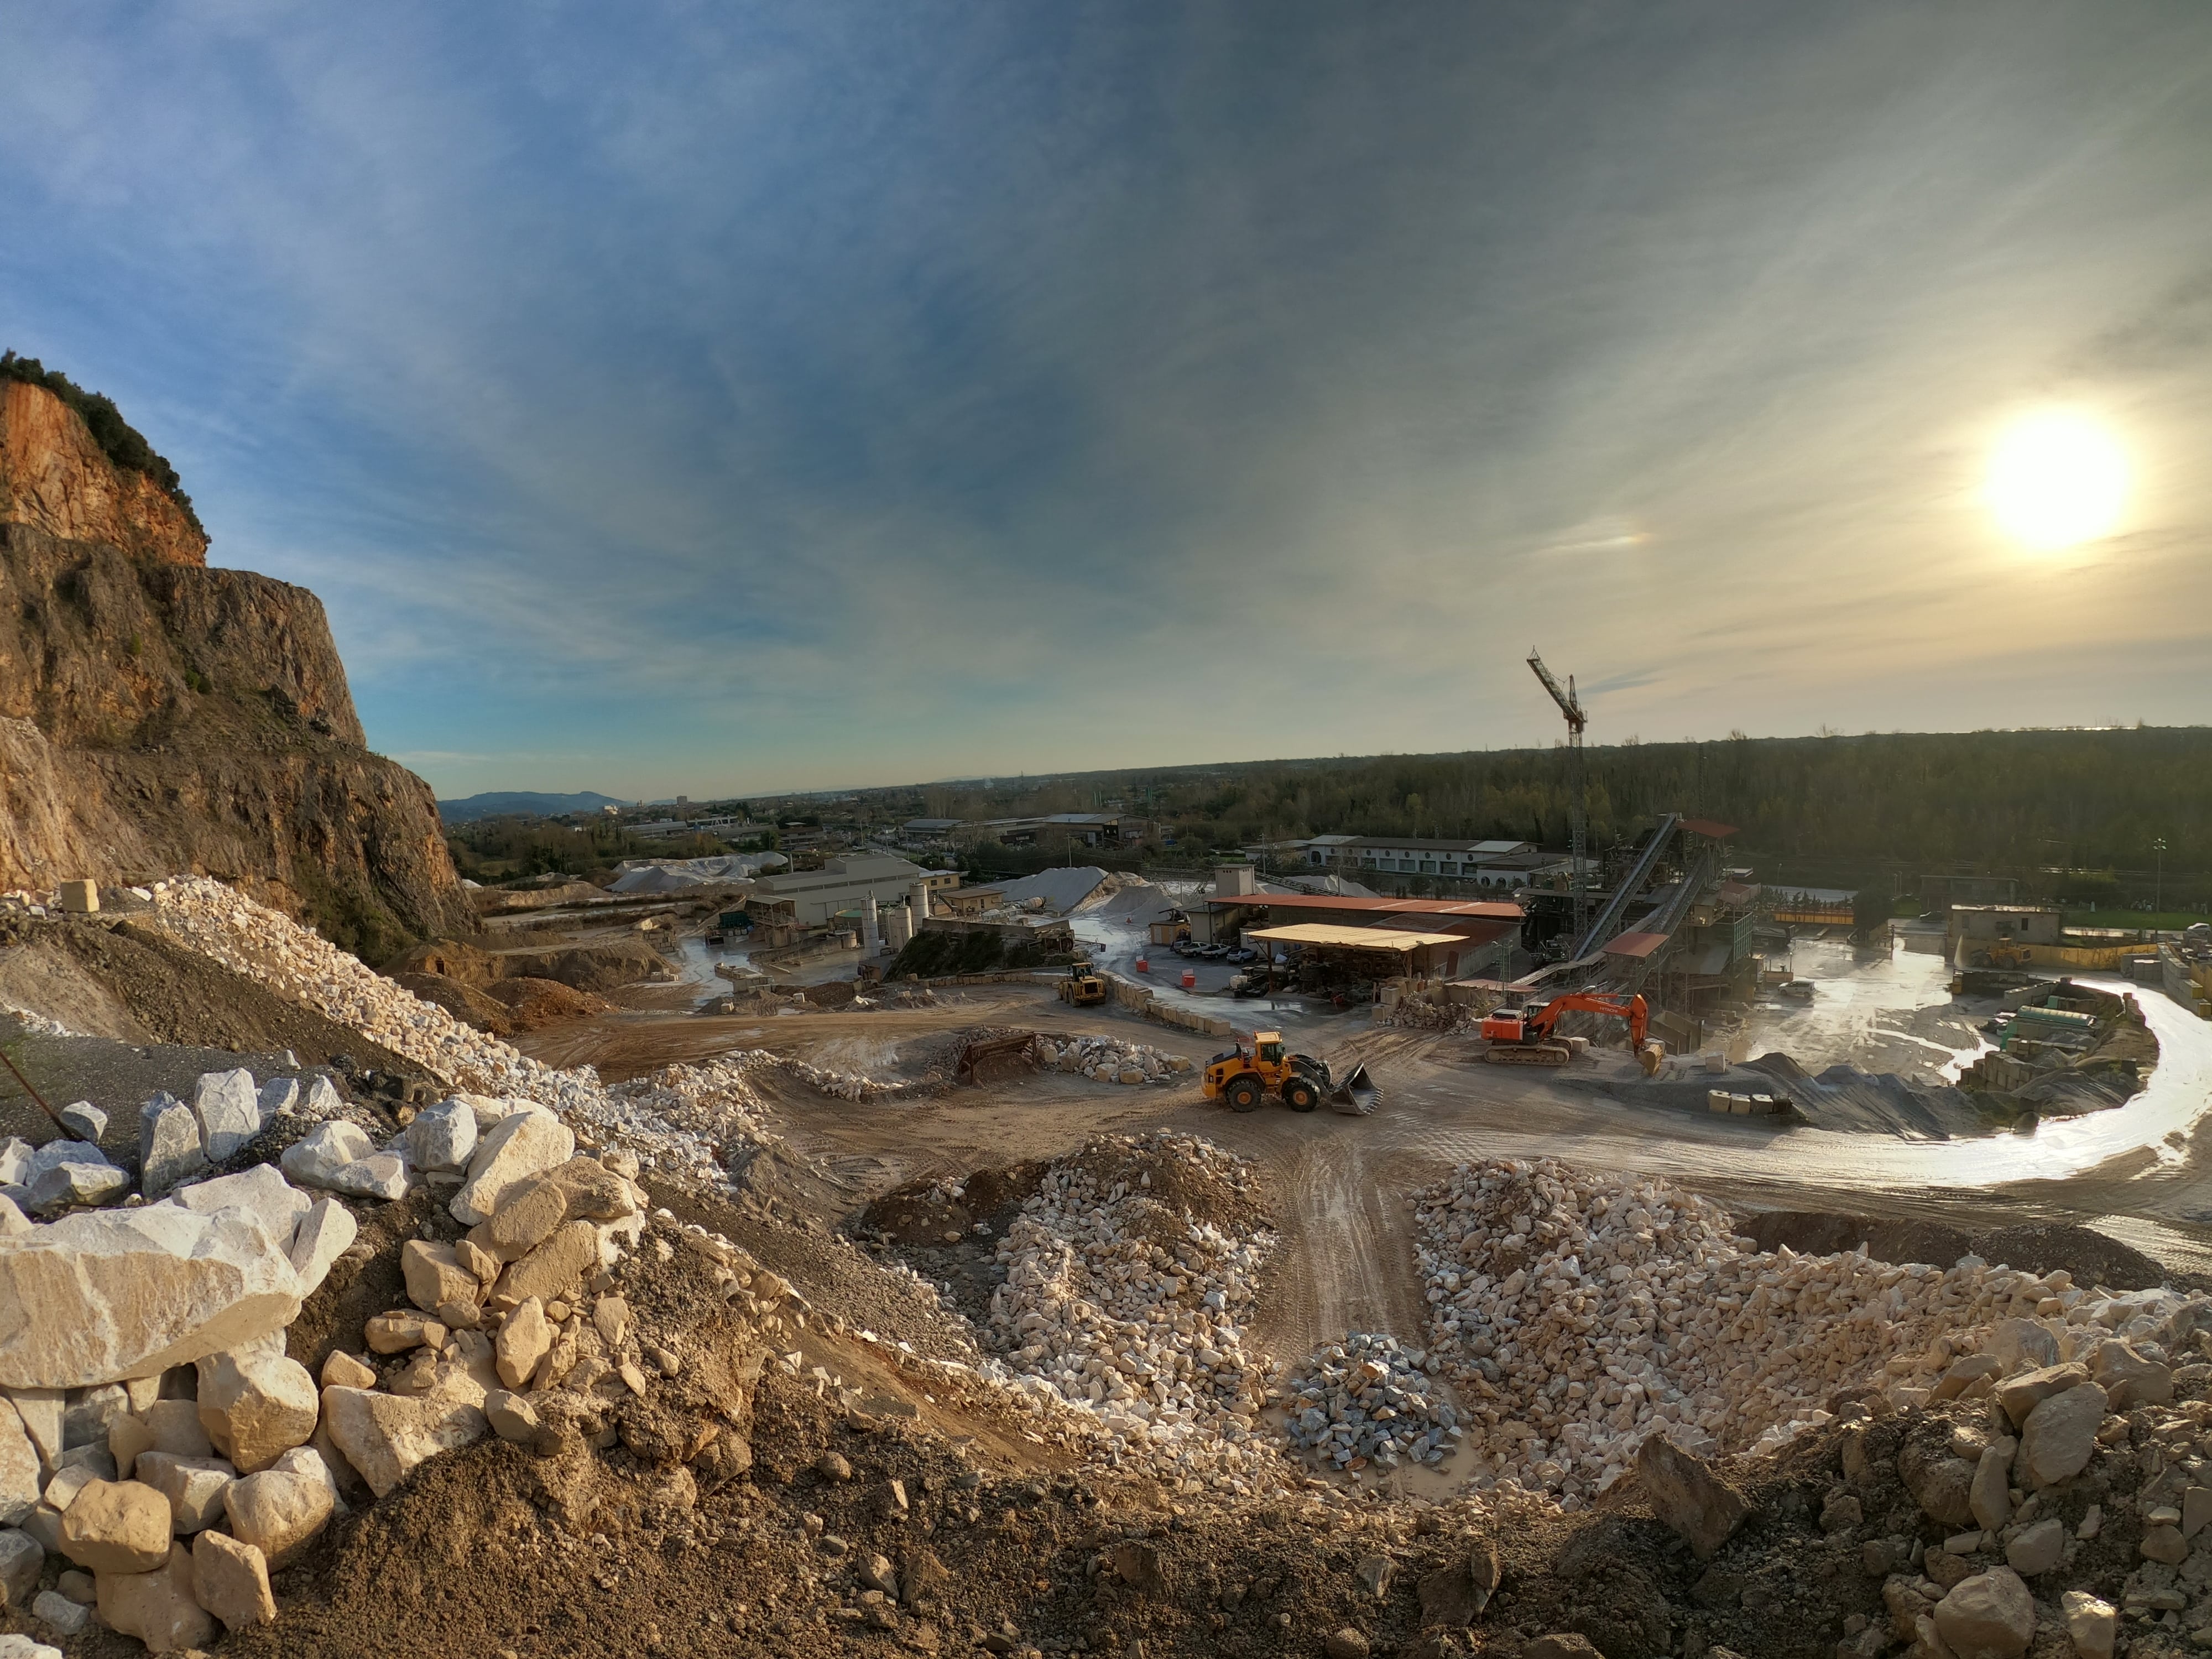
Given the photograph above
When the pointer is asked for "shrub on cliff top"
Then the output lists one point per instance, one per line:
(118, 439)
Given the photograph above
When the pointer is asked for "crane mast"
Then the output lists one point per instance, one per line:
(1577, 787)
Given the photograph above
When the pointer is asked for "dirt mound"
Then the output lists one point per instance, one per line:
(2088, 1255)
(1181, 1185)
(590, 967)
(830, 994)
(2033, 1247)
(1819, 1232)
(534, 1004)
(463, 1001)
(133, 983)
(944, 1212)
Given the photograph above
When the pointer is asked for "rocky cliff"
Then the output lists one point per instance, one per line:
(158, 716)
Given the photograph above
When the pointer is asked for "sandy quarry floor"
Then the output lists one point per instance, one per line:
(2143, 1173)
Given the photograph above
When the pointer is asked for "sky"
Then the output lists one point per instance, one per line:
(720, 399)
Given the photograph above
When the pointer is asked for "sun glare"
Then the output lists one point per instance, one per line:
(2058, 478)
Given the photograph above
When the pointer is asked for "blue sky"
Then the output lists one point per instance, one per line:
(721, 399)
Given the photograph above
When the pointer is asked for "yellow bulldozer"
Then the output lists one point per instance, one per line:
(1245, 1079)
(1084, 986)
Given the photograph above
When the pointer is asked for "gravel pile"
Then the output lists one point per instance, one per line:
(1109, 1059)
(1576, 1313)
(1126, 1305)
(1369, 1401)
(683, 1121)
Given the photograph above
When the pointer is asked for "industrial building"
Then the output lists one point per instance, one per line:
(809, 898)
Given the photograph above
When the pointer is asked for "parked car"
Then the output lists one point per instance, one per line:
(1212, 952)
(1243, 953)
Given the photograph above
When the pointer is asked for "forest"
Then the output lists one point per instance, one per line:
(2080, 808)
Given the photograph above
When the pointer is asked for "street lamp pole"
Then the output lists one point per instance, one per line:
(2158, 880)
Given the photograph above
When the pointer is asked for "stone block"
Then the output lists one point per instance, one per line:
(262, 1192)
(159, 1608)
(519, 1145)
(169, 1150)
(116, 1526)
(523, 1340)
(442, 1137)
(386, 1437)
(279, 1511)
(21, 1560)
(434, 1277)
(84, 1121)
(194, 1486)
(556, 1268)
(255, 1404)
(228, 1109)
(326, 1232)
(230, 1580)
(107, 1294)
(320, 1153)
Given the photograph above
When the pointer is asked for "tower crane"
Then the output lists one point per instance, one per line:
(1577, 786)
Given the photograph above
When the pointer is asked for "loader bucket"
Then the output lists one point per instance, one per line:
(1357, 1095)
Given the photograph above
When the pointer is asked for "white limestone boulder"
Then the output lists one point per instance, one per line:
(169, 1150)
(384, 1437)
(320, 1153)
(519, 1145)
(158, 1607)
(228, 1109)
(255, 1404)
(326, 1232)
(442, 1137)
(109, 1294)
(261, 1191)
(279, 1511)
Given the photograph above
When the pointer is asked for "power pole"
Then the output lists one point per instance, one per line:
(2158, 880)
(1577, 787)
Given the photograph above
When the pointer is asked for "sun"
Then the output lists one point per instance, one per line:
(2058, 478)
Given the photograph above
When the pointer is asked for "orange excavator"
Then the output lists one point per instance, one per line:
(1524, 1036)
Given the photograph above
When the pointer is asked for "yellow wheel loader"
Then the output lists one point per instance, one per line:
(1244, 1081)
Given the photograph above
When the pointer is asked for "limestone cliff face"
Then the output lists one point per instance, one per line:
(157, 716)
(54, 477)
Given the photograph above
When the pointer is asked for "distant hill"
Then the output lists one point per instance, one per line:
(512, 803)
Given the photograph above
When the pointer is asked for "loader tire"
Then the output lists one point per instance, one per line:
(1245, 1094)
(1300, 1096)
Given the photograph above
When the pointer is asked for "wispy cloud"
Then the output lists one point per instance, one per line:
(744, 396)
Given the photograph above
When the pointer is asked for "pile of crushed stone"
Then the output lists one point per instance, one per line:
(1578, 1314)
(1126, 1300)
(1367, 1401)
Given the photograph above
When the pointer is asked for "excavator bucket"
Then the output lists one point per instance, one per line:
(1357, 1095)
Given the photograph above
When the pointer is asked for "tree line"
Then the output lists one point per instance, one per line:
(2068, 807)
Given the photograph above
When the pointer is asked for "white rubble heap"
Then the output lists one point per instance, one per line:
(1109, 1060)
(1369, 1401)
(682, 1121)
(1576, 1313)
(1137, 1314)
(179, 1491)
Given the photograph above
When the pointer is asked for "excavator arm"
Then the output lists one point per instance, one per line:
(1545, 1020)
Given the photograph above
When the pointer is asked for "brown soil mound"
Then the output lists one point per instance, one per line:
(463, 1001)
(590, 967)
(534, 1004)
(1180, 1188)
(2033, 1247)
(154, 990)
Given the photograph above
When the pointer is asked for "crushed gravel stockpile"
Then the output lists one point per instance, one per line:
(692, 1121)
(1578, 1314)
(1131, 1281)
